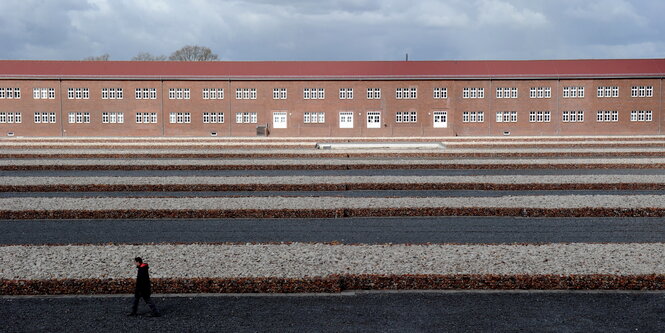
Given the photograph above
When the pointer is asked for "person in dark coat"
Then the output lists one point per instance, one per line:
(143, 288)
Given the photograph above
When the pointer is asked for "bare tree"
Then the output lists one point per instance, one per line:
(146, 56)
(103, 57)
(193, 53)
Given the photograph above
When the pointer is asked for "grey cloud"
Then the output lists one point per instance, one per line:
(334, 30)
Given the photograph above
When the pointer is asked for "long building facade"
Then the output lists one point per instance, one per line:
(332, 99)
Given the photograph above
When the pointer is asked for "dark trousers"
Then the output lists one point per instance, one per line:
(147, 300)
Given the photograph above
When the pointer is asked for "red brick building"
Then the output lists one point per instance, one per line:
(332, 99)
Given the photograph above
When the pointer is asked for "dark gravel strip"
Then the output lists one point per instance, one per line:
(332, 213)
(362, 312)
(344, 194)
(395, 230)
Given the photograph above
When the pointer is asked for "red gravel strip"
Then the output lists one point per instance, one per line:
(401, 154)
(333, 213)
(336, 283)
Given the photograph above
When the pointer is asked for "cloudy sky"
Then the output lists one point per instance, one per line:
(335, 29)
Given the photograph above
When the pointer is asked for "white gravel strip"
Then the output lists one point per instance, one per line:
(300, 180)
(331, 161)
(308, 203)
(303, 260)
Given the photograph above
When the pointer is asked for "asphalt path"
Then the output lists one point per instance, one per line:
(275, 173)
(353, 312)
(347, 230)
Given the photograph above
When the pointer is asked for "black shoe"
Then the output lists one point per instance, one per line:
(133, 314)
(154, 314)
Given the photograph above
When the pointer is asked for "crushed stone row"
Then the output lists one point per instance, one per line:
(325, 202)
(298, 260)
(298, 180)
(313, 151)
(331, 161)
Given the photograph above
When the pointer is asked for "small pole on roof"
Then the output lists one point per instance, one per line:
(407, 57)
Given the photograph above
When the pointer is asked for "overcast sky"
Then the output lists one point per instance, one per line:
(335, 29)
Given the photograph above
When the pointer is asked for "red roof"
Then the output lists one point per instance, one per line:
(333, 69)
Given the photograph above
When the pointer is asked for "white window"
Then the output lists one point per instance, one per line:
(279, 119)
(540, 92)
(641, 91)
(153, 93)
(10, 93)
(246, 117)
(213, 117)
(474, 93)
(173, 118)
(206, 93)
(440, 119)
(79, 93)
(105, 93)
(187, 93)
(540, 116)
(171, 93)
(36, 93)
(246, 93)
(38, 117)
(473, 117)
(252, 93)
(346, 93)
(373, 93)
(572, 116)
(641, 116)
(139, 117)
(179, 93)
(406, 93)
(440, 93)
(86, 93)
(607, 116)
(406, 117)
(502, 92)
(2, 93)
(105, 117)
(506, 117)
(238, 93)
(137, 93)
(314, 117)
(321, 93)
(609, 91)
(279, 93)
(70, 93)
(346, 120)
(373, 119)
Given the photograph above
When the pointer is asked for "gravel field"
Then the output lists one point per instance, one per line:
(319, 260)
(332, 161)
(307, 203)
(314, 151)
(493, 179)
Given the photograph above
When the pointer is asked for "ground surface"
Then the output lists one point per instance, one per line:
(360, 312)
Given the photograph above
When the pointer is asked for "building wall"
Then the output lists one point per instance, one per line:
(295, 107)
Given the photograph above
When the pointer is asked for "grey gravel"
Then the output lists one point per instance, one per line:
(303, 260)
(306, 203)
(493, 179)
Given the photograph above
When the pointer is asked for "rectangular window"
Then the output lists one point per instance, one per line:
(607, 116)
(86, 93)
(79, 95)
(137, 93)
(506, 92)
(51, 117)
(279, 93)
(373, 93)
(572, 116)
(179, 93)
(540, 92)
(540, 116)
(314, 117)
(2, 93)
(38, 118)
(346, 93)
(641, 116)
(473, 117)
(609, 91)
(506, 117)
(406, 117)
(187, 93)
(171, 93)
(641, 91)
(180, 117)
(105, 93)
(406, 93)
(440, 93)
(246, 117)
(173, 118)
(473, 93)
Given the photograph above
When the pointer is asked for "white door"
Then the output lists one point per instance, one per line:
(346, 120)
(374, 119)
(440, 119)
(279, 120)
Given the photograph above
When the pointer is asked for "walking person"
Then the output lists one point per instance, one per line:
(143, 288)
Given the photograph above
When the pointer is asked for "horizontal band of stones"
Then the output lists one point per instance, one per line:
(327, 164)
(336, 284)
(332, 187)
(294, 145)
(301, 260)
(327, 203)
(339, 180)
(365, 154)
(328, 213)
